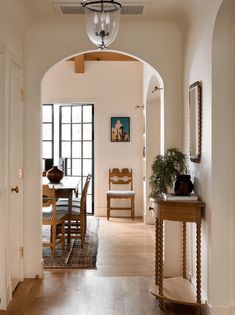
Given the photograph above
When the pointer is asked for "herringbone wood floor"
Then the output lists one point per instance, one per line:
(119, 286)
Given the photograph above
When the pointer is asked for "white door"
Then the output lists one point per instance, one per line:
(15, 175)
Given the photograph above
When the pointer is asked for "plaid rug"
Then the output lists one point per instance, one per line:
(76, 257)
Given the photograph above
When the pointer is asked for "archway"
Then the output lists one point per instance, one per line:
(120, 85)
(153, 132)
(223, 156)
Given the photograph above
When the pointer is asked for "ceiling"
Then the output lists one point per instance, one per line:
(41, 9)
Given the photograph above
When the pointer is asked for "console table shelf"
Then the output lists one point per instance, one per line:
(177, 289)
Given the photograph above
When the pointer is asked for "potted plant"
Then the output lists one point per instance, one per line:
(168, 169)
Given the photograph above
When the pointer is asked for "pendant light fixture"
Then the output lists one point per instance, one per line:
(102, 21)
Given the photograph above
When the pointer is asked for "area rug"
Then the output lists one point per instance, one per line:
(76, 257)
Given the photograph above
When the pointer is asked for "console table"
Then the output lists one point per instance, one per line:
(177, 289)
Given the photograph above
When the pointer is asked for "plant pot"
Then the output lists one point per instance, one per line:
(55, 175)
(183, 185)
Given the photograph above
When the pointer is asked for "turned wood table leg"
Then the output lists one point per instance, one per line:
(160, 260)
(156, 251)
(198, 311)
(198, 263)
(184, 249)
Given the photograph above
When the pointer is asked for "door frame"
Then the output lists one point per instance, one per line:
(18, 167)
(6, 59)
(4, 239)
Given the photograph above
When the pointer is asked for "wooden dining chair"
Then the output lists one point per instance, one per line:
(79, 215)
(52, 217)
(123, 180)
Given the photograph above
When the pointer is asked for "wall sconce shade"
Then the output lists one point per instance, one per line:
(102, 21)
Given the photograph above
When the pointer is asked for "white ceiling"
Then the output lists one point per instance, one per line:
(41, 9)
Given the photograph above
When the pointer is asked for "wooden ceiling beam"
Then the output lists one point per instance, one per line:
(79, 64)
(97, 56)
(107, 56)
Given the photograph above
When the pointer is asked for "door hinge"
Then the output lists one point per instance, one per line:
(22, 94)
(21, 251)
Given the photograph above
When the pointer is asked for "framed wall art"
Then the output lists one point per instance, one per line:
(195, 104)
(120, 129)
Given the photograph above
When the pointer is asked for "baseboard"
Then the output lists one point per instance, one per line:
(220, 310)
(33, 268)
(149, 219)
(8, 294)
(5, 298)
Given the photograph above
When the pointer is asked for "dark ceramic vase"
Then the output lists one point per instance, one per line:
(55, 174)
(183, 185)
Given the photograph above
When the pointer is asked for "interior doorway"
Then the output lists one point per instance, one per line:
(103, 82)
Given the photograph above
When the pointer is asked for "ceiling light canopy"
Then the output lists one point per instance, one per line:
(102, 21)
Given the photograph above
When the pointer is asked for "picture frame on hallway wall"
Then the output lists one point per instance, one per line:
(120, 129)
(195, 109)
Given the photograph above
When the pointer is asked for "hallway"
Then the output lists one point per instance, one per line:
(119, 286)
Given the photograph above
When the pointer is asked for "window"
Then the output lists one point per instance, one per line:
(68, 133)
(47, 134)
(76, 143)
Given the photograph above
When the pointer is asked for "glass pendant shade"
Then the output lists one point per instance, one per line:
(102, 21)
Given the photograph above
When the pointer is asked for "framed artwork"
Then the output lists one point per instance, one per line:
(195, 104)
(120, 129)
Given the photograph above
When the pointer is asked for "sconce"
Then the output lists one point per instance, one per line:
(156, 88)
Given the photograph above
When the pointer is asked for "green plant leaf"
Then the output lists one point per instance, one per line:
(164, 170)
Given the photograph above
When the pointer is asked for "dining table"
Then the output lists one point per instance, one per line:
(64, 189)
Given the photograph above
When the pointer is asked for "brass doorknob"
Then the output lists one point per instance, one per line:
(15, 189)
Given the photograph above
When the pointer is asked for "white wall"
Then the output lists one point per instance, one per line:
(223, 155)
(209, 59)
(14, 17)
(198, 68)
(115, 88)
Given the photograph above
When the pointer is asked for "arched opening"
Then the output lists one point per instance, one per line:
(223, 155)
(153, 131)
(117, 84)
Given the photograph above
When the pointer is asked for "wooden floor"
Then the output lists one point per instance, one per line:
(119, 286)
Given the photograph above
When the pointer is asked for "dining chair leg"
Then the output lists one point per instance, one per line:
(63, 234)
(51, 232)
(82, 230)
(53, 239)
(133, 207)
(108, 207)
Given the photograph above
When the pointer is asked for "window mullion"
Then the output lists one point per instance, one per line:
(81, 144)
(71, 141)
